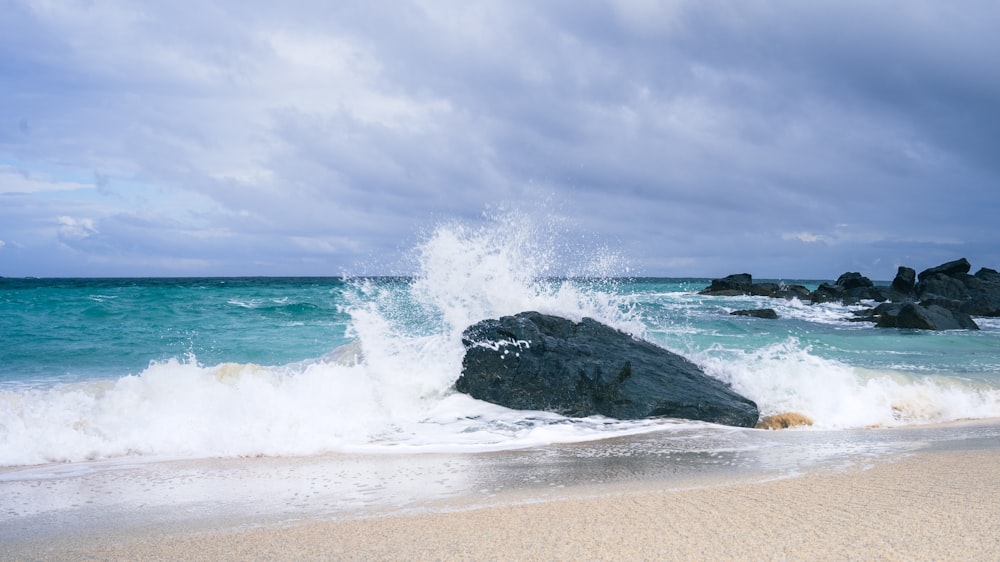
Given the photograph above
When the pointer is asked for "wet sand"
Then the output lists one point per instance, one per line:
(937, 503)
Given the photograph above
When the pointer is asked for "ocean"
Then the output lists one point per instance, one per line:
(230, 403)
(98, 369)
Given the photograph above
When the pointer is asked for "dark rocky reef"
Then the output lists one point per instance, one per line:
(742, 284)
(949, 285)
(945, 297)
(921, 317)
(779, 291)
(533, 361)
(850, 288)
(767, 313)
(730, 286)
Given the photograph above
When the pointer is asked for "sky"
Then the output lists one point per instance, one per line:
(785, 139)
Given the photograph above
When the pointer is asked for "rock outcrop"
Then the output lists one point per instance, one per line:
(904, 285)
(850, 288)
(730, 286)
(779, 291)
(533, 361)
(921, 317)
(742, 284)
(950, 285)
(945, 297)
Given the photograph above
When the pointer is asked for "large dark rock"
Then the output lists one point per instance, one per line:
(827, 292)
(949, 269)
(850, 288)
(982, 305)
(985, 289)
(730, 285)
(941, 285)
(950, 285)
(534, 361)
(922, 317)
(872, 293)
(904, 284)
(853, 280)
(988, 275)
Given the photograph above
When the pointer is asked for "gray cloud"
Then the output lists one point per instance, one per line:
(698, 138)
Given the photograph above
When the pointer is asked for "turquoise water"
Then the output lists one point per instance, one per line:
(684, 321)
(108, 368)
(72, 329)
(63, 330)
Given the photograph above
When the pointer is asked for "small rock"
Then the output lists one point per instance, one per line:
(783, 421)
(767, 313)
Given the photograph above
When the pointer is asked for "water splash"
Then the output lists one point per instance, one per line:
(788, 376)
(390, 389)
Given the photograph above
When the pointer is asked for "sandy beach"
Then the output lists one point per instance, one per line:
(939, 503)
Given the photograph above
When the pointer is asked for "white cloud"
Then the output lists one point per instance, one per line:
(326, 75)
(76, 229)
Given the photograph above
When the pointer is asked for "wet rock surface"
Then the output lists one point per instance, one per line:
(533, 361)
(945, 297)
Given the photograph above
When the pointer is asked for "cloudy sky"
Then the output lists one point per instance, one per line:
(306, 137)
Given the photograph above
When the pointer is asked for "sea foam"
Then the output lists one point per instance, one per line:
(789, 376)
(390, 389)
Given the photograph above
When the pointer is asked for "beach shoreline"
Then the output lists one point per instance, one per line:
(935, 501)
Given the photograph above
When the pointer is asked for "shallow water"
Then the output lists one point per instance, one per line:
(104, 498)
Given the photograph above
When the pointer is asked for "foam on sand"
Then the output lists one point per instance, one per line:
(930, 504)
